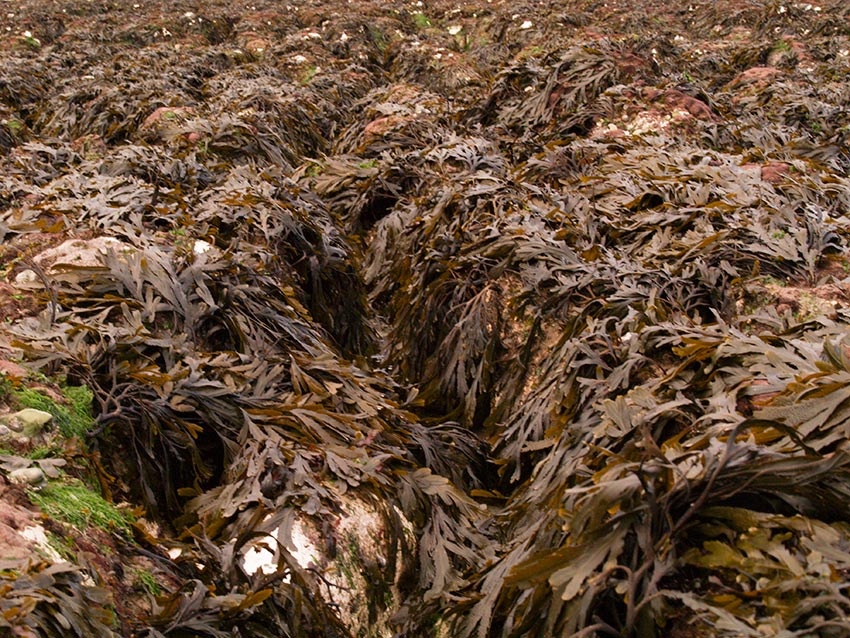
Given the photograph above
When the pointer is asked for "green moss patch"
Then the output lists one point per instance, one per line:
(78, 505)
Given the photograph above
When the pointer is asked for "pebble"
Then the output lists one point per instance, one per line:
(28, 421)
(27, 475)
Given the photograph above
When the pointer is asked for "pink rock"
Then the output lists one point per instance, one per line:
(761, 75)
(697, 108)
(12, 370)
(383, 125)
(775, 172)
(166, 111)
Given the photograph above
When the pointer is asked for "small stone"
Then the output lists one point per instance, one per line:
(27, 279)
(201, 247)
(27, 475)
(383, 125)
(75, 254)
(760, 75)
(90, 146)
(257, 45)
(28, 421)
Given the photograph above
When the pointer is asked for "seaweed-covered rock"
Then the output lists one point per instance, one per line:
(418, 319)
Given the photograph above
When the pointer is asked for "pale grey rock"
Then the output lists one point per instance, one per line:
(28, 421)
(32, 476)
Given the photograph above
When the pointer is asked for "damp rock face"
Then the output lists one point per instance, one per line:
(358, 564)
(13, 520)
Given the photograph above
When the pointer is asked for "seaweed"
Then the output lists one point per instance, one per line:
(558, 294)
(43, 599)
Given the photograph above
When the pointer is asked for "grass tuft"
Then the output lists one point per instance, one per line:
(421, 20)
(78, 505)
(147, 581)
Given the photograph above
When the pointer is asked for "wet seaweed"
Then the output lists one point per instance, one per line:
(561, 294)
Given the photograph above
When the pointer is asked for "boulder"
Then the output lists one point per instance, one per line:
(349, 555)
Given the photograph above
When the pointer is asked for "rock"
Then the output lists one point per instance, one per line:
(27, 279)
(771, 172)
(788, 52)
(12, 545)
(201, 246)
(90, 146)
(70, 258)
(676, 99)
(166, 112)
(32, 476)
(383, 125)
(346, 554)
(169, 124)
(77, 253)
(12, 370)
(775, 172)
(257, 46)
(37, 535)
(13, 518)
(28, 421)
(631, 65)
(758, 75)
